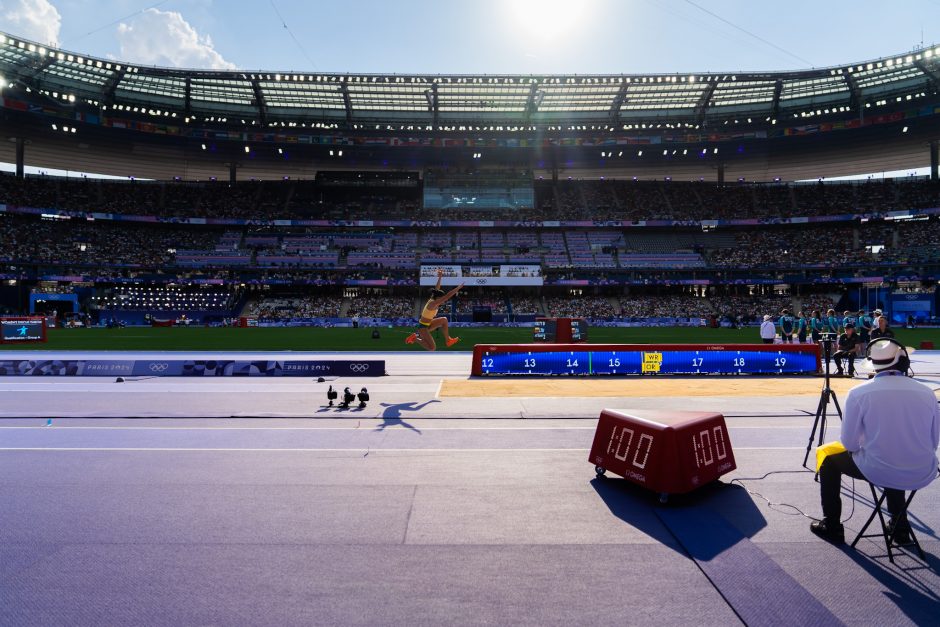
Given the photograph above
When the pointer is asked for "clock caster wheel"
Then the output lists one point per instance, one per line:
(600, 470)
(663, 498)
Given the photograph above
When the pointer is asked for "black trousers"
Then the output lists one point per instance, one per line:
(838, 356)
(830, 484)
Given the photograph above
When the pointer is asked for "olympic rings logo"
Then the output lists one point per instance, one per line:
(155, 367)
(358, 367)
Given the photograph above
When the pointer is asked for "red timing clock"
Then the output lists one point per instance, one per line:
(670, 452)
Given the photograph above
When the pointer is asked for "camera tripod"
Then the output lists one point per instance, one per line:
(825, 396)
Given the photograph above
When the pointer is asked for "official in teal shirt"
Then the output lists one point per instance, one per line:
(864, 326)
(818, 325)
(832, 321)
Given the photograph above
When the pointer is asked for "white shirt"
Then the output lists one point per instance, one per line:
(767, 330)
(892, 428)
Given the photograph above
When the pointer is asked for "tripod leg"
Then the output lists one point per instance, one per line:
(835, 401)
(824, 402)
(820, 416)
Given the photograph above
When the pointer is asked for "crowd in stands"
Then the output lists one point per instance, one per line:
(390, 307)
(525, 305)
(902, 242)
(581, 307)
(816, 302)
(386, 254)
(97, 243)
(497, 305)
(748, 308)
(299, 306)
(565, 200)
(665, 306)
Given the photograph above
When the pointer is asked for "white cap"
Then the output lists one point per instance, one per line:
(766, 317)
(877, 312)
(884, 354)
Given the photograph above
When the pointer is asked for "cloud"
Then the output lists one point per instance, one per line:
(165, 38)
(37, 20)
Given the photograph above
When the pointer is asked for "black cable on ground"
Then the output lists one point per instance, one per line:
(773, 506)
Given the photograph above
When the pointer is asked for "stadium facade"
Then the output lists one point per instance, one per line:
(151, 122)
(333, 196)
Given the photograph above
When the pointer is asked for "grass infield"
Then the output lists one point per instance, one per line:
(392, 339)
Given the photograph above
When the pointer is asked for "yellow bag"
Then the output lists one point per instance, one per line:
(827, 449)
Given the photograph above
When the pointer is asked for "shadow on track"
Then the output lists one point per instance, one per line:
(392, 415)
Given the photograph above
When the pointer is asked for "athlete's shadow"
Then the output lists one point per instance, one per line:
(392, 414)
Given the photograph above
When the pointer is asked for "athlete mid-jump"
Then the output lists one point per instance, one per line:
(431, 321)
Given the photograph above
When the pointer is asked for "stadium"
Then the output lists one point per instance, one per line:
(192, 258)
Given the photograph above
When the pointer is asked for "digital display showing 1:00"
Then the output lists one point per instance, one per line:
(647, 362)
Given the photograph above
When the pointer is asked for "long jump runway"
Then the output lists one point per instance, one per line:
(394, 516)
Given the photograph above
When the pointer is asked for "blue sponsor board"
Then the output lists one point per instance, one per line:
(193, 368)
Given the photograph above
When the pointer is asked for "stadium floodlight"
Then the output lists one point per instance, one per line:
(247, 149)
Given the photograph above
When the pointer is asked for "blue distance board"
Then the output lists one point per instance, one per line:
(607, 362)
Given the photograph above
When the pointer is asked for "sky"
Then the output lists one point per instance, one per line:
(479, 36)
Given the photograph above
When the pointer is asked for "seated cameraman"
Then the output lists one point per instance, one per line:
(891, 431)
(848, 348)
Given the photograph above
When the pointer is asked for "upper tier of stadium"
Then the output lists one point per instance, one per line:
(438, 102)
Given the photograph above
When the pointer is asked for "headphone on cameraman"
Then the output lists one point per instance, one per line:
(904, 360)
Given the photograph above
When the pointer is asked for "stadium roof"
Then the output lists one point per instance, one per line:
(437, 101)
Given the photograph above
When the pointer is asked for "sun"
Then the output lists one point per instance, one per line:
(546, 20)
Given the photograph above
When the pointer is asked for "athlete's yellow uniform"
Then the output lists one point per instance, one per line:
(428, 314)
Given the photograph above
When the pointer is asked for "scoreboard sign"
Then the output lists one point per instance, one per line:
(670, 452)
(643, 359)
(22, 330)
(560, 330)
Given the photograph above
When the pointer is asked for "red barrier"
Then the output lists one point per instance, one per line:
(670, 452)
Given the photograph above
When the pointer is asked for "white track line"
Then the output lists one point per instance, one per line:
(350, 450)
(56, 427)
(64, 428)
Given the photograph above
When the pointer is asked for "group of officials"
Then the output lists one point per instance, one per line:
(854, 332)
